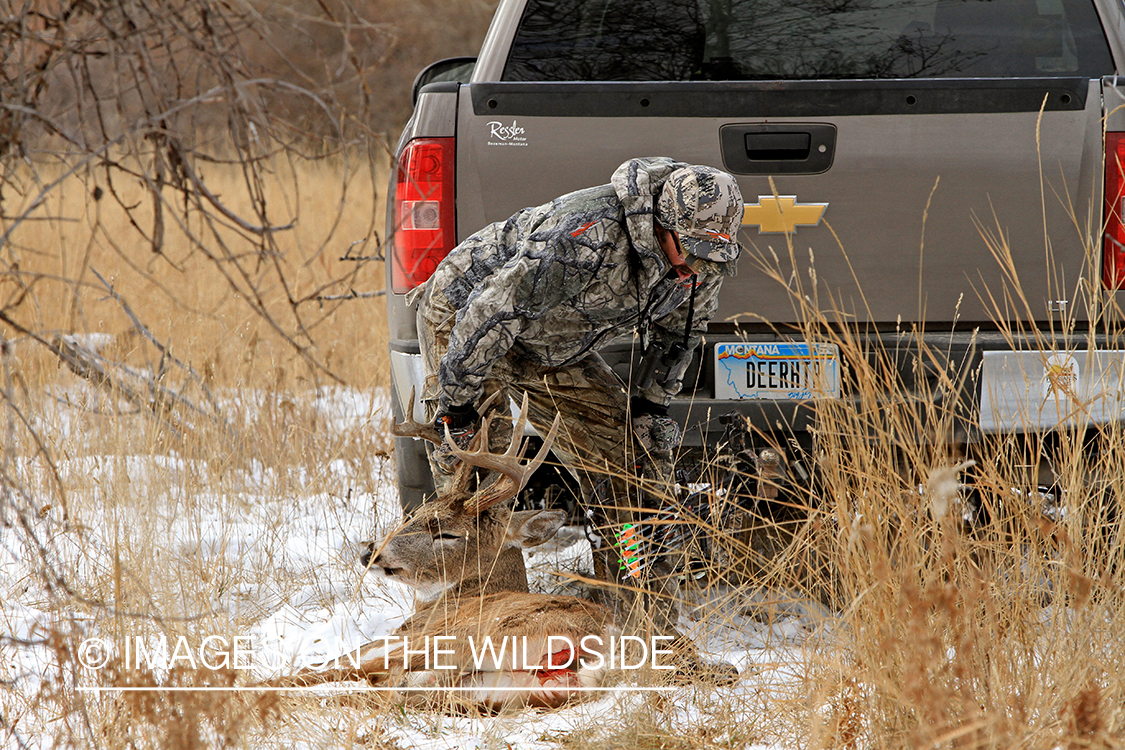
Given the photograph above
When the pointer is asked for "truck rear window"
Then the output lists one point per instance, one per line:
(745, 40)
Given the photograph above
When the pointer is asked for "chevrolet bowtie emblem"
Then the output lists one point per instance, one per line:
(782, 214)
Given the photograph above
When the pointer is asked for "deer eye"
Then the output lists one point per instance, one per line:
(445, 536)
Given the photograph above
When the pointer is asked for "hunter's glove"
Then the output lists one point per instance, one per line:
(458, 419)
(462, 422)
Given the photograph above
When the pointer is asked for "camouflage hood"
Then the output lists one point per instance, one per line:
(638, 183)
(554, 282)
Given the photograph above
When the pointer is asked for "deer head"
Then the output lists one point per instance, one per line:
(461, 551)
(468, 541)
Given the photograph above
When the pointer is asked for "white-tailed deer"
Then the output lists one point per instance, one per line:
(477, 629)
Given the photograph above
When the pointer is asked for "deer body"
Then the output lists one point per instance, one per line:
(476, 628)
(503, 650)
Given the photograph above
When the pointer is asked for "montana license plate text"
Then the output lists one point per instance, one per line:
(776, 370)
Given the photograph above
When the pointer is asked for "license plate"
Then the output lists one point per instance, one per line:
(1041, 390)
(776, 370)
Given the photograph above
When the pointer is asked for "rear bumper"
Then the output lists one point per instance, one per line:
(1007, 383)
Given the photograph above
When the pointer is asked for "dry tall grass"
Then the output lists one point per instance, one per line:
(121, 529)
(972, 606)
(971, 616)
(200, 305)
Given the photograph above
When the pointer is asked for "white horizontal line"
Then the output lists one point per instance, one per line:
(369, 688)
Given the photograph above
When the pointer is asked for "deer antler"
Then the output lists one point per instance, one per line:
(514, 475)
(411, 428)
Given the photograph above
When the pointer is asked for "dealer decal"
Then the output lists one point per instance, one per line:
(506, 134)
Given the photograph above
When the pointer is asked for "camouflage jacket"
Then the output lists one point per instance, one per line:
(556, 281)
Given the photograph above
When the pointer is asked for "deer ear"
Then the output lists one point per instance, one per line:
(529, 528)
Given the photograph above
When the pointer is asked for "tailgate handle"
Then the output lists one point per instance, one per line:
(778, 146)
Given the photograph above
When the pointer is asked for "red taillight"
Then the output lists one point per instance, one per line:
(423, 212)
(1113, 264)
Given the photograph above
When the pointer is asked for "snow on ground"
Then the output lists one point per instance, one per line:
(291, 582)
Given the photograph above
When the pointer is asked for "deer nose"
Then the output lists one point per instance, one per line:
(366, 557)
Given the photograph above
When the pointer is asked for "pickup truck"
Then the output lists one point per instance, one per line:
(886, 144)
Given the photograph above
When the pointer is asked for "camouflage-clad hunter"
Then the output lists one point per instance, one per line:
(522, 306)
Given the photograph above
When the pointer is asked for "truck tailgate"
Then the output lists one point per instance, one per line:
(916, 173)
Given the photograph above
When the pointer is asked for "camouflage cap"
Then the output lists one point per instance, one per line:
(703, 205)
